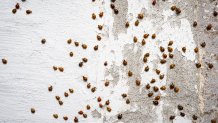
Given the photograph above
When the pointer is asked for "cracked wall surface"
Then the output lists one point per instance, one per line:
(29, 70)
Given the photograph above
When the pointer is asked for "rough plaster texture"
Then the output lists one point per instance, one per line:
(24, 80)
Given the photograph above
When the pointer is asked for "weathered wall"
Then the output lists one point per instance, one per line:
(28, 74)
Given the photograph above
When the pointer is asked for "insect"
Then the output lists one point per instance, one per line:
(95, 47)
(100, 105)
(150, 94)
(195, 23)
(100, 27)
(4, 61)
(127, 24)
(178, 11)
(105, 63)
(135, 39)
(196, 50)
(80, 64)
(155, 88)
(60, 102)
(61, 69)
(198, 65)
(210, 65)
(124, 62)
(127, 101)
(146, 69)
(157, 97)
(180, 107)
(170, 43)
(76, 43)
(154, 2)
(32, 110)
(85, 115)
(170, 55)
(14, 11)
(173, 8)
(99, 99)
(101, 14)
(146, 55)
(182, 114)
(172, 86)
(65, 117)
(57, 97)
(153, 36)
(157, 71)
(66, 94)
(194, 117)
(93, 16)
(163, 87)
(152, 81)
(107, 102)
(203, 44)
(170, 49)
(162, 61)
(71, 54)
(55, 116)
(140, 16)
(130, 73)
(106, 83)
(136, 22)
(71, 90)
(209, 26)
(17, 6)
(76, 119)
(98, 37)
(155, 102)
(116, 11)
(50, 88)
(176, 89)
(143, 42)
(172, 66)
(138, 82)
(119, 116)
(88, 107)
(84, 46)
(85, 78)
(145, 36)
(145, 59)
(164, 55)
(124, 95)
(112, 6)
(215, 13)
(172, 117)
(93, 89)
(28, 12)
(109, 109)
(80, 112)
(85, 60)
(184, 49)
(161, 76)
(162, 49)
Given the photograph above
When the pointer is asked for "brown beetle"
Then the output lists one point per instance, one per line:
(4, 61)
(50, 88)
(146, 69)
(157, 97)
(100, 105)
(124, 62)
(69, 41)
(85, 115)
(80, 64)
(107, 102)
(85, 78)
(55, 116)
(84, 46)
(182, 114)
(172, 117)
(157, 71)
(60, 102)
(106, 83)
(198, 65)
(93, 16)
(150, 94)
(173, 8)
(162, 49)
(85, 60)
(203, 44)
(135, 39)
(172, 86)
(98, 38)
(130, 73)
(161, 76)
(127, 101)
(65, 117)
(152, 81)
(163, 87)
(61, 69)
(101, 14)
(170, 55)
(43, 41)
(116, 11)
(105, 63)
(178, 11)
(76, 44)
(180, 107)
(14, 11)
(140, 16)
(119, 116)
(88, 85)
(215, 13)
(55, 68)
(155, 102)
(184, 49)
(196, 49)
(170, 49)
(143, 42)
(28, 12)
(172, 66)
(95, 47)
(99, 99)
(80, 112)
(32, 110)
(145, 59)
(57, 97)
(66, 94)
(109, 109)
(71, 54)
(76, 119)
(17, 6)
(147, 86)
(170, 43)
(162, 61)
(209, 27)
(100, 27)
(153, 36)
(156, 89)
(164, 55)
(88, 107)
(145, 35)
(210, 65)
(176, 89)
(124, 95)
(195, 23)
(138, 82)
(93, 89)
(194, 117)
(136, 22)
(71, 90)
(112, 6)
(127, 24)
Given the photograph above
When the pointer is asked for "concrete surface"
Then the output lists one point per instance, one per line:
(28, 74)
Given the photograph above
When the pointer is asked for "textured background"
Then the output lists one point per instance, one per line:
(26, 77)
